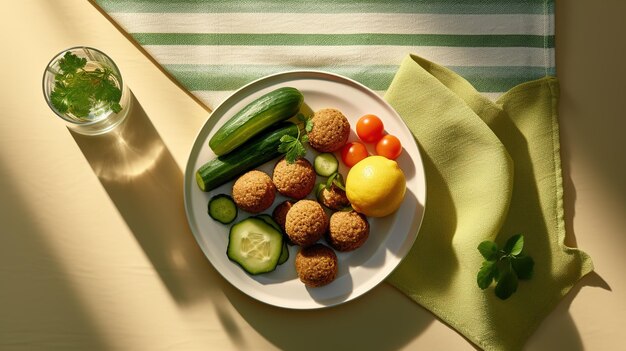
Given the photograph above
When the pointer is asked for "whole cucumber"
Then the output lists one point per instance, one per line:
(275, 106)
(255, 152)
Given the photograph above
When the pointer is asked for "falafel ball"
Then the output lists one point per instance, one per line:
(280, 213)
(348, 230)
(335, 198)
(316, 265)
(254, 191)
(331, 130)
(295, 180)
(306, 222)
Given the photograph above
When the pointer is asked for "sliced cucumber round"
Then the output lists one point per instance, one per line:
(269, 220)
(325, 164)
(255, 245)
(284, 255)
(222, 208)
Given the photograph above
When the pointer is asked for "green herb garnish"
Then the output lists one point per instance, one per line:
(76, 91)
(505, 266)
(293, 148)
(348, 208)
(337, 180)
(308, 123)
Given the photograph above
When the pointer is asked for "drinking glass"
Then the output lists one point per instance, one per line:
(101, 117)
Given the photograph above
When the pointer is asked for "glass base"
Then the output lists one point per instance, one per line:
(106, 124)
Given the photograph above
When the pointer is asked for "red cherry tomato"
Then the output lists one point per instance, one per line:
(389, 146)
(352, 153)
(369, 128)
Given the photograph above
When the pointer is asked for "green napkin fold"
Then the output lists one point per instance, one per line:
(492, 170)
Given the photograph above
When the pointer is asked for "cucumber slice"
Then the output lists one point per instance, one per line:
(325, 164)
(222, 208)
(269, 220)
(254, 245)
(284, 255)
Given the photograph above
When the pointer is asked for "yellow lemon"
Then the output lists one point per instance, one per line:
(375, 186)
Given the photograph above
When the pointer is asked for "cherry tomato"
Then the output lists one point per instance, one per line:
(352, 153)
(369, 128)
(389, 146)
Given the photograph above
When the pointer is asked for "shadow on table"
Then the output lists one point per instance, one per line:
(382, 319)
(39, 302)
(591, 126)
(144, 182)
(559, 331)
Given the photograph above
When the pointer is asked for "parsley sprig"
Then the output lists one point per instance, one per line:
(505, 266)
(293, 148)
(76, 91)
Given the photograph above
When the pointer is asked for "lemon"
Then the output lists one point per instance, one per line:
(375, 186)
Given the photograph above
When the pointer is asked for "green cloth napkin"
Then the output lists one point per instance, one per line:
(492, 170)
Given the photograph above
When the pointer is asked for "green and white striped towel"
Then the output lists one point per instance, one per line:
(212, 47)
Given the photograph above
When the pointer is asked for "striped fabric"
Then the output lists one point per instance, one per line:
(213, 47)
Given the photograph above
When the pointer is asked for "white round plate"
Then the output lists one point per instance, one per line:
(390, 237)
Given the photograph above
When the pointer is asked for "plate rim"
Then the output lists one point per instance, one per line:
(189, 169)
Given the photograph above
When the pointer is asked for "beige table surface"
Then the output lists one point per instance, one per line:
(95, 253)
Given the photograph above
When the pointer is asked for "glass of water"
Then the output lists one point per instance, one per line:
(84, 87)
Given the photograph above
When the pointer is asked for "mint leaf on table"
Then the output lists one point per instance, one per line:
(76, 91)
(523, 266)
(486, 274)
(506, 267)
(506, 286)
(489, 250)
(514, 245)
